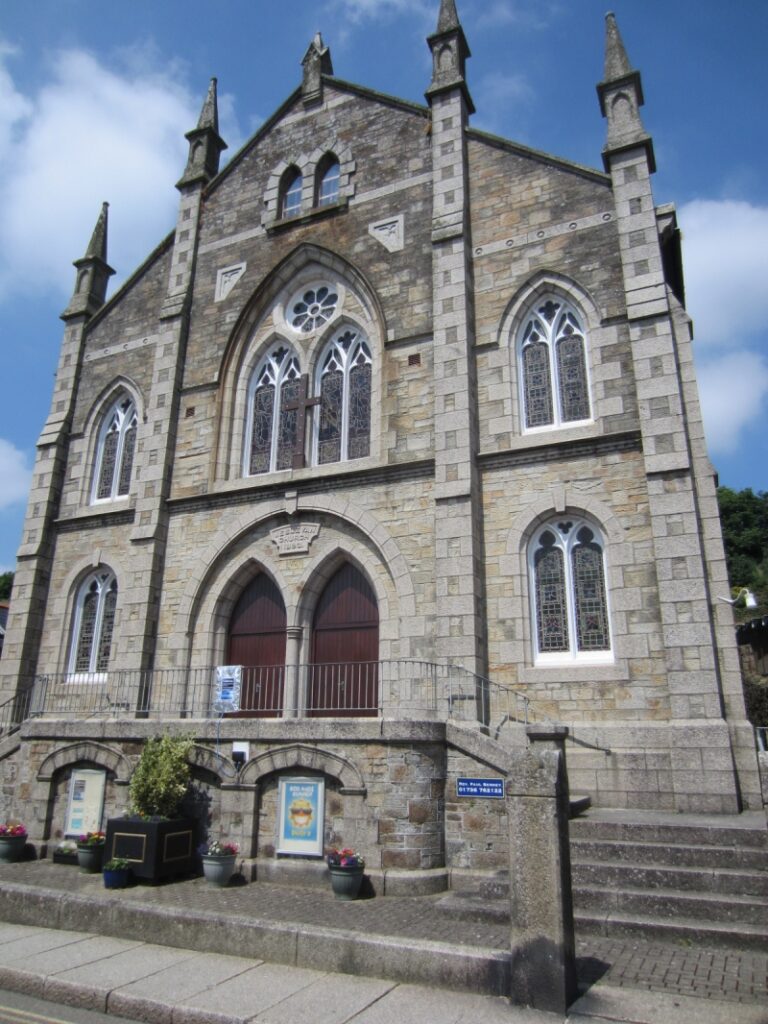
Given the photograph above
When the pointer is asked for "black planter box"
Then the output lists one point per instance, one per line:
(154, 849)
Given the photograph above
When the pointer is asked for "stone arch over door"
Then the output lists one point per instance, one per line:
(303, 757)
(344, 650)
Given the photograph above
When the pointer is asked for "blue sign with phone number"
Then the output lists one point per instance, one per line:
(490, 789)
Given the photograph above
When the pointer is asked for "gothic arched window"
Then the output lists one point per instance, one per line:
(290, 193)
(93, 623)
(114, 453)
(343, 382)
(569, 598)
(553, 366)
(328, 175)
(270, 427)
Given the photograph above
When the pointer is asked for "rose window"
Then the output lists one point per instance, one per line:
(312, 309)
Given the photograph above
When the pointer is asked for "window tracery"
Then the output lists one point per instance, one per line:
(312, 307)
(553, 367)
(272, 427)
(115, 451)
(569, 597)
(344, 386)
(94, 622)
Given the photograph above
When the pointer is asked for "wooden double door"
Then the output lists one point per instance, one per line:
(342, 677)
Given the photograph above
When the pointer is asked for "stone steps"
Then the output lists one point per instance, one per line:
(695, 879)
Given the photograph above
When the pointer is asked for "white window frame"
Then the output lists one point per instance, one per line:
(105, 579)
(128, 417)
(573, 656)
(558, 423)
(293, 186)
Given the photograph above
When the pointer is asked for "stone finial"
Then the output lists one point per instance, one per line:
(315, 63)
(205, 143)
(621, 96)
(93, 273)
(449, 54)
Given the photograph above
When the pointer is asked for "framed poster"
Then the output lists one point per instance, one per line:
(227, 696)
(86, 802)
(301, 813)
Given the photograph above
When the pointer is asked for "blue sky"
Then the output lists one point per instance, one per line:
(95, 97)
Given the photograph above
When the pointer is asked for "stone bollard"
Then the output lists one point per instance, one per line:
(543, 968)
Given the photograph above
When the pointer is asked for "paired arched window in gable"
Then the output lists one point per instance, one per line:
(93, 623)
(290, 192)
(115, 450)
(552, 360)
(569, 599)
(271, 426)
(344, 386)
(327, 181)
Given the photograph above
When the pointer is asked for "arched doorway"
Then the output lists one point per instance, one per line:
(257, 642)
(344, 676)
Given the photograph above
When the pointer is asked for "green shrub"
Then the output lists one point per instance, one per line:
(756, 699)
(162, 776)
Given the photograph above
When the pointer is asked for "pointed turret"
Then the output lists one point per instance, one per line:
(621, 96)
(316, 63)
(449, 54)
(93, 273)
(205, 143)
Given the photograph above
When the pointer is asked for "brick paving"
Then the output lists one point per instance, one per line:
(709, 973)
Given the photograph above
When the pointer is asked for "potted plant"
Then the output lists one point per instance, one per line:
(90, 852)
(13, 839)
(218, 861)
(157, 842)
(116, 873)
(346, 868)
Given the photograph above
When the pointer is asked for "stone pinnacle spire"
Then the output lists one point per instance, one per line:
(621, 96)
(205, 143)
(315, 63)
(449, 54)
(93, 273)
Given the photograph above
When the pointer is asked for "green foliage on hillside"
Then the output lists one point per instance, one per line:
(6, 582)
(744, 516)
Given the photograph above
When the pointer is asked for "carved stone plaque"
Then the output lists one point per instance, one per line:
(294, 540)
(389, 232)
(226, 279)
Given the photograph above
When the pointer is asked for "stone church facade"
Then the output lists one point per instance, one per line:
(401, 418)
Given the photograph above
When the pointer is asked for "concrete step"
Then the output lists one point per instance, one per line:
(690, 931)
(623, 875)
(670, 854)
(666, 904)
(689, 831)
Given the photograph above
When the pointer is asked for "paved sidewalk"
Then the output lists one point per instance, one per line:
(622, 980)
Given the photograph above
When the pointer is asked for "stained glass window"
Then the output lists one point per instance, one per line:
(553, 367)
(344, 384)
(290, 199)
(312, 308)
(569, 592)
(114, 454)
(271, 428)
(94, 623)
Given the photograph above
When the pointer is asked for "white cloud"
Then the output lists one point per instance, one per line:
(495, 94)
(91, 133)
(733, 390)
(504, 13)
(358, 11)
(14, 107)
(726, 269)
(15, 475)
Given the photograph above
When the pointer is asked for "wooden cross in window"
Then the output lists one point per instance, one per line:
(302, 404)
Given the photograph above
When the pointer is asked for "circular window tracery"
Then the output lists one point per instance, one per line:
(311, 308)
